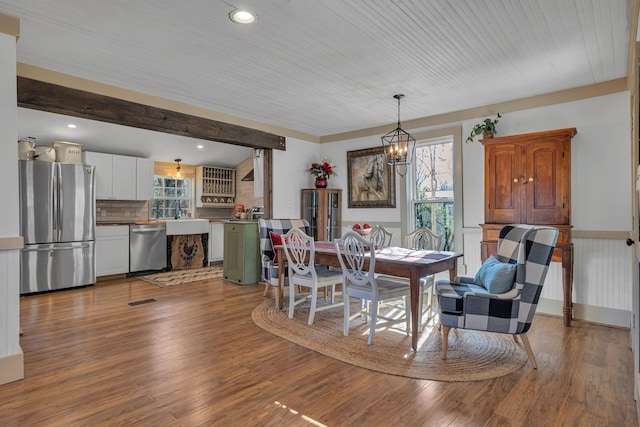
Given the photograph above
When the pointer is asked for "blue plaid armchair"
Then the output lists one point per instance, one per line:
(269, 268)
(467, 304)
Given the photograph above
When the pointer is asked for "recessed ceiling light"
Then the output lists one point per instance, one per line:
(243, 16)
(200, 146)
(72, 126)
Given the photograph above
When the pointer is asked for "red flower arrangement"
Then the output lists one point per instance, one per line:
(324, 169)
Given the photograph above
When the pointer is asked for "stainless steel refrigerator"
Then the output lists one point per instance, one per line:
(57, 221)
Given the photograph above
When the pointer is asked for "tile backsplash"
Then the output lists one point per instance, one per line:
(121, 211)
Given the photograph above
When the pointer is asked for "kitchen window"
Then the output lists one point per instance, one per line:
(171, 195)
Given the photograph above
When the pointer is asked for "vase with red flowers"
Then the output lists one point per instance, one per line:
(322, 171)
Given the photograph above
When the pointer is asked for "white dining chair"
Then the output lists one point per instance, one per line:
(379, 236)
(300, 252)
(360, 282)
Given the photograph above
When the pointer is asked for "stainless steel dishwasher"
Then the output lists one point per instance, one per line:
(147, 247)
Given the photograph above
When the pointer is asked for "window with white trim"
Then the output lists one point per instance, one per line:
(171, 195)
(432, 195)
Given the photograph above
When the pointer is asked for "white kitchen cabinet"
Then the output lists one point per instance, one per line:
(216, 242)
(117, 176)
(144, 179)
(103, 171)
(124, 177)
(112, 249)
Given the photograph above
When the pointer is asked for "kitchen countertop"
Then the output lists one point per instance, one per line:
(109, 223)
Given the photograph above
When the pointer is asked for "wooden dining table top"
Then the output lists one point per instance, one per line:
(396, 261)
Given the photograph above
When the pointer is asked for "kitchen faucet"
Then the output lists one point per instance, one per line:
(176, 208)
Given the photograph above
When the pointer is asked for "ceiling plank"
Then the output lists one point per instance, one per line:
(58, 99)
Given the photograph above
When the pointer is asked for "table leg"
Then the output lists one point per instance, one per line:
(414, 287)
(453, 272)
(567, 284)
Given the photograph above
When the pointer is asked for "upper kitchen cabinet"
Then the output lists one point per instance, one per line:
(118, 178)
(215, 187)
(144, 179)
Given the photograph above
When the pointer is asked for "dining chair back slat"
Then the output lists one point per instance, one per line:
(379, 236)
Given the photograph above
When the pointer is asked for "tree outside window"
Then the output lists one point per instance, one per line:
(170, 193)
(433, 191)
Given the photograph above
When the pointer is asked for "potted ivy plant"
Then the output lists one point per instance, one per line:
(487, 128)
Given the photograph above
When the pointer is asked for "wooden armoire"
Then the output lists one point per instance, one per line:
(528, 181)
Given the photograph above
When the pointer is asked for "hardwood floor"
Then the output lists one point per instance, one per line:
(195, 358)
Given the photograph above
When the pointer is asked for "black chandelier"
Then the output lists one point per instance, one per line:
(399, 146)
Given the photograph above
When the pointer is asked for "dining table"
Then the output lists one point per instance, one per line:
(395, 261)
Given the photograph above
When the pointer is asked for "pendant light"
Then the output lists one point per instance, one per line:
(178, 171)
(399, 146)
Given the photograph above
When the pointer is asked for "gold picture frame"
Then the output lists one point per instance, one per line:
(371, 181)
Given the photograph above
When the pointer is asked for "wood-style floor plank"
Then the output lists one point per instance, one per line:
(194, 357)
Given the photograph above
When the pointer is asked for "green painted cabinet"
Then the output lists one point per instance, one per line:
(241, 252)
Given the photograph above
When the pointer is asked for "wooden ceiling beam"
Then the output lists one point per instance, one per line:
(38, 95)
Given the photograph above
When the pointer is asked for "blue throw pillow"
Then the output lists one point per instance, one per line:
(497, 277)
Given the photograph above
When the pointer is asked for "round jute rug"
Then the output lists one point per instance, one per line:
(471, 355)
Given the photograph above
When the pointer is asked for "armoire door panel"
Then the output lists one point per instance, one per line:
(546, 184)
(503, 185)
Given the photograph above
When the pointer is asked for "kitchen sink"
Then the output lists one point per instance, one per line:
(187, 226)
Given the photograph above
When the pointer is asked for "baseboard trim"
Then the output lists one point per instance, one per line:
(11, 368)
(588, 313)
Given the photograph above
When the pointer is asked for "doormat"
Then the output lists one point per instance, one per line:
(180, 277)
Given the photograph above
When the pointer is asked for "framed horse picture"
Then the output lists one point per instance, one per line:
(371, 180)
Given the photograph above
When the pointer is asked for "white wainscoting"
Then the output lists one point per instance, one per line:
(11, 357)
(601, 282)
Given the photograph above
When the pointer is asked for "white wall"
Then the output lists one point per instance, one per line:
(337, 152)
(11, 358)
(600, 166)
(9, 226)
(290, 176)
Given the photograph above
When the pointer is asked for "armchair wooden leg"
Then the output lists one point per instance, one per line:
(527, 346)
(266, 290)
(515, 338)
(445, 341)
(278, 298)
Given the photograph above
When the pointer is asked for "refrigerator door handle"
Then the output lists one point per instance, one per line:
(57, 248)
(55, 201)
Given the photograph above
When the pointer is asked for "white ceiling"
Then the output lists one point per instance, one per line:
(329, 66)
